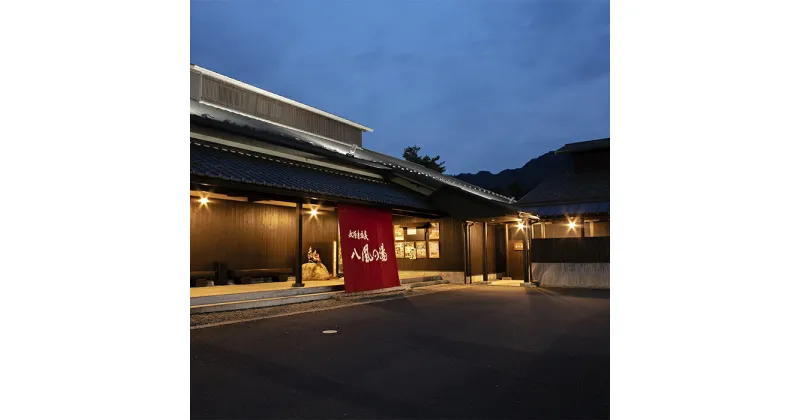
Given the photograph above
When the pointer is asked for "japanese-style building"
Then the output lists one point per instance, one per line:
(271, 178)
(571, 241)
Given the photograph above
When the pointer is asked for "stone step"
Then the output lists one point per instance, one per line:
(264, 294)
(261, 303)
(411, 280)
(427, 283)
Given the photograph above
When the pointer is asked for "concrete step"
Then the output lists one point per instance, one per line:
(427, 283)
(411, 280)
(264, 294)
(261, 303)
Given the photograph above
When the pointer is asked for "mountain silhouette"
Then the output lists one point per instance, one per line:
(517, 182)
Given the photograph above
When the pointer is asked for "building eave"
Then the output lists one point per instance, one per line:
(240, 84)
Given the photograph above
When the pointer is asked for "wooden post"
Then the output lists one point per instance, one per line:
(583, 233)
(485, 251)
(335, 268)
(338, 244)
(508, 252)
(467, 255)
(525, 253)
(298, 265)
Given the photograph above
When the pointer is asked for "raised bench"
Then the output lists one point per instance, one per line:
(202, 278)
(247, 276)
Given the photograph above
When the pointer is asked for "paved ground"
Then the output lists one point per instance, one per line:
(258, 287)
(478, 352)
(217, 318)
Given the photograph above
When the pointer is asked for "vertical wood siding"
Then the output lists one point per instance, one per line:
(252, 236)
(233, 97)
(319, 233)
(516, 268)
(476, 248)
(451, 246)
(572, 250)
(491, 246)
(499, 248)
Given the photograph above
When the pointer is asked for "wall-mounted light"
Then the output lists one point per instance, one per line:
(204, 201)
(313, 212)
(572, 225)
(520, 225)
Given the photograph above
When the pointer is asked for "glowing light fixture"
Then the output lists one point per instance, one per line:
(520, 226)
(572, 225)
(204, 200)
(313, 212)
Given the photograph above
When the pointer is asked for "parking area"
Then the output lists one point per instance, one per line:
(475, 352)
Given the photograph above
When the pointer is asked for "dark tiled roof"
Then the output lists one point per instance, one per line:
(584, 146)
(293, 138)
(253, 168)
(570, 188)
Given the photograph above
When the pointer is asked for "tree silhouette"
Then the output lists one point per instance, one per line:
(411, 154)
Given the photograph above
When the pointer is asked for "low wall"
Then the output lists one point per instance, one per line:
(585, 275)
(453, 277)
(491, 276)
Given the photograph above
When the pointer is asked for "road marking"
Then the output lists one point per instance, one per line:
(329, 332)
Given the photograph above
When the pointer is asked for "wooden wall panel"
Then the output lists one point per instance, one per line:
(491, 247)
(476, 248)
(601, 229)
(251, 236)
(559, 229)
(516, 267)
(244, 235)
(500, 248)
(319, 233)
(572, 250)
(243, 100)
(451, 246)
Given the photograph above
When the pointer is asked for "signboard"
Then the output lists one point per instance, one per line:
(433, 249)
(433, 233)
(367, 239)
(398, 233)
(399, 249)
(421, 249)
(411, 251)
(518, 246)
(411, 231)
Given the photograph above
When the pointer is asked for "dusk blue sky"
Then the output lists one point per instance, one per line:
(486, 84)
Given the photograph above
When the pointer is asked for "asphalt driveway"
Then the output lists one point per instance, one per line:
(481, 352)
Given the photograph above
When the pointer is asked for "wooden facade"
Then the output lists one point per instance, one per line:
(451, 245)
(229, 96)
(248, 236)
(495, 249)
(516, 262)
(569, 250)
(476, 249)
(255, 236)
(244, 235)
(500, 248)
(558, 228)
